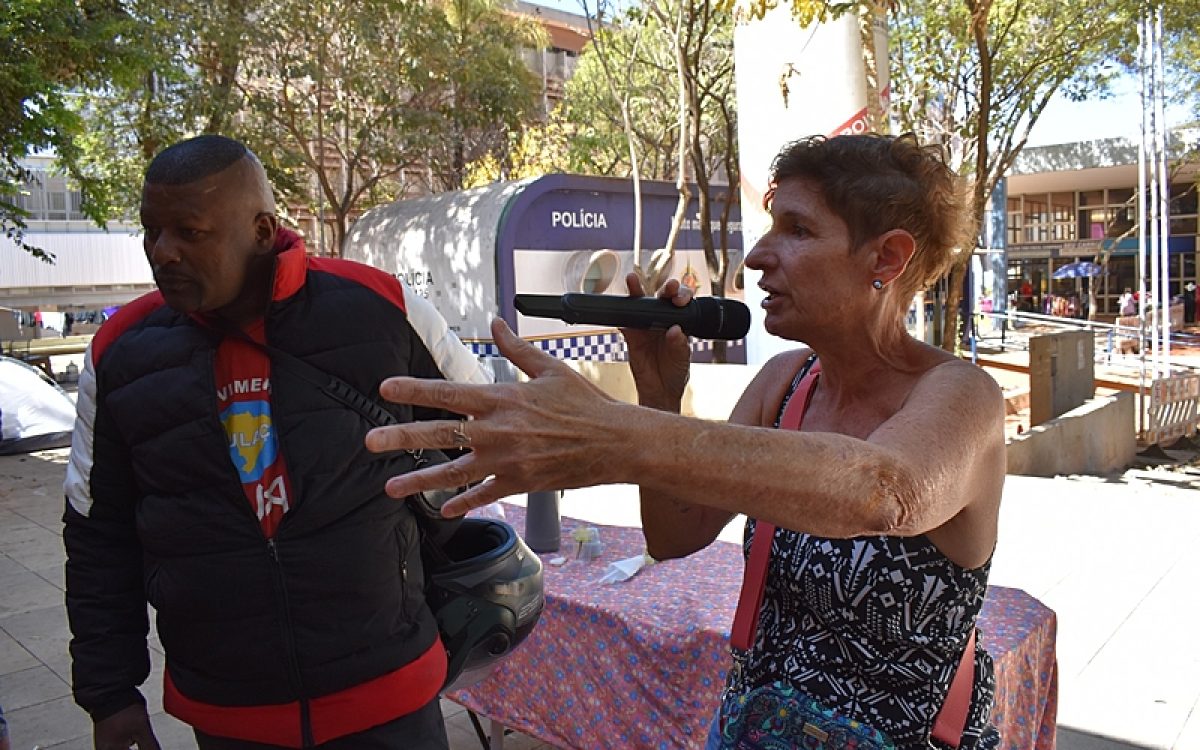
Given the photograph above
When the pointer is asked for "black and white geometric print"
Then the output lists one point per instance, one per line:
(873, 627)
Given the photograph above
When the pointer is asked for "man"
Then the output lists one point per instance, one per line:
(1127, 303)
(211, 479)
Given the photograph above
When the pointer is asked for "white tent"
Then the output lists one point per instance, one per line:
(35, 413)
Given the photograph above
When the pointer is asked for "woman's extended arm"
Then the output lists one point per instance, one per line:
(676, 527)
(916, 471)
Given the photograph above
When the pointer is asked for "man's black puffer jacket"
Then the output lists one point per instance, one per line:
(335, 598)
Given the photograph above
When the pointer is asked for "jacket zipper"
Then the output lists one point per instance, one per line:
(289, 639)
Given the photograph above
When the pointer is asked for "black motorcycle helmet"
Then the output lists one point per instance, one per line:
(485, 589)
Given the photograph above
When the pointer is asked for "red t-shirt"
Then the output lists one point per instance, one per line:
(243, 376)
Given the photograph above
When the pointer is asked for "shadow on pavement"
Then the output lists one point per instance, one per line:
(1077, 739)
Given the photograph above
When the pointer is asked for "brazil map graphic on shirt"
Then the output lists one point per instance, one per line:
(252, 444)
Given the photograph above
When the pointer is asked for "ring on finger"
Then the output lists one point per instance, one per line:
(461, 438)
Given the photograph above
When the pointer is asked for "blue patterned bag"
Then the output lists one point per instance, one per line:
(780, 717)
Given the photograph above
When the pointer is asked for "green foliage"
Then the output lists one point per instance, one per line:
(647, 72)
(47, 48)
(949, 90)
(598, 145)
(490, 93)
(536, 150)
(1181, 52)
(178, 81)
(975, 76)
(340, 97)
(804, 12)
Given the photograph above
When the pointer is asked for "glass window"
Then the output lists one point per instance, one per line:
(1013, 209)
(1091, 198)
(1092, 223)
(1183, 199)
(48, 197)
(1062, 210)
(1119, 195)
(1183, 209)
(1120, 221)
(601, 271)
(1062, 205)
(1037, 214)
(57, 205)
(75, 205)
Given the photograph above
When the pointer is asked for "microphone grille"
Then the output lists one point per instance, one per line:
(723, 318)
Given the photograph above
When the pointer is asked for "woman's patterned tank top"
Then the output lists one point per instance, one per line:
(872, 626)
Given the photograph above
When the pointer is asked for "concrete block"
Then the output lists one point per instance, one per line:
(1096, 438)
(1062, 373)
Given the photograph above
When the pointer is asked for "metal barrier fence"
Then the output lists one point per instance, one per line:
(1173, 410)
(1168, 405)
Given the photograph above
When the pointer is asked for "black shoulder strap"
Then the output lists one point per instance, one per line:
(426, 505)
(329, 384)
(338, 390)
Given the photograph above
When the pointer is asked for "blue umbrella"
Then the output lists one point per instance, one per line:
(1079, 269)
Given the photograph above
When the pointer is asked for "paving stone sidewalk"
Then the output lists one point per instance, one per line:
(1117, 558)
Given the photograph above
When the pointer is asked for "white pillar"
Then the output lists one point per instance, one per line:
(792, 82)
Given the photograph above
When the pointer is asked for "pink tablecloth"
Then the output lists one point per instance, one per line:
(641, 664)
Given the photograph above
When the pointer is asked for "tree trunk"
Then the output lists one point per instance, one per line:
(980, 188)
(868, 16)
(685, 135)
(340, 227)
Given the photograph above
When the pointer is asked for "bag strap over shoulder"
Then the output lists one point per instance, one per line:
(754, 578)
(426, 506)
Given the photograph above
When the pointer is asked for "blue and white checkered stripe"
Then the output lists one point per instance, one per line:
(595, 347)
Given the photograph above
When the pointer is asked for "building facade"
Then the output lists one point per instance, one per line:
(1078, 202)
(568, 34)
(93, 268)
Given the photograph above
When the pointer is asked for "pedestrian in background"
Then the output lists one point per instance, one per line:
(5, 743)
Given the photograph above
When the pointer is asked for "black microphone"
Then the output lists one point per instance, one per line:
(703, 317)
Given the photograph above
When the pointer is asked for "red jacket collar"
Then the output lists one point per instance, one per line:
(291, 263)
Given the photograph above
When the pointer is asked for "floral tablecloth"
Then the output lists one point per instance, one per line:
(641, 664)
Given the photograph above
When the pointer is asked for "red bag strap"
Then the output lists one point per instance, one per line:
(754, 578)
(951, 719)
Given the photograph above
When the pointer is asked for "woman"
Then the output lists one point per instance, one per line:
(887, 496)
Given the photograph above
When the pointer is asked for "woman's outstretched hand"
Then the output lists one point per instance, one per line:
(549, 433)
(659, 360)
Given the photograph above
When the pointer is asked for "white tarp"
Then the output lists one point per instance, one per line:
(35, 414)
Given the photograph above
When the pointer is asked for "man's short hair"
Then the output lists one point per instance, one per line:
(194, 159)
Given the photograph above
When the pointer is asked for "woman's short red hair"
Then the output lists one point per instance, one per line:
(879, 183)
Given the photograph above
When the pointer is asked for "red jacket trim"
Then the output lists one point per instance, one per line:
(124, 319)
(349, 711)
(383, 284)
(290, 259)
